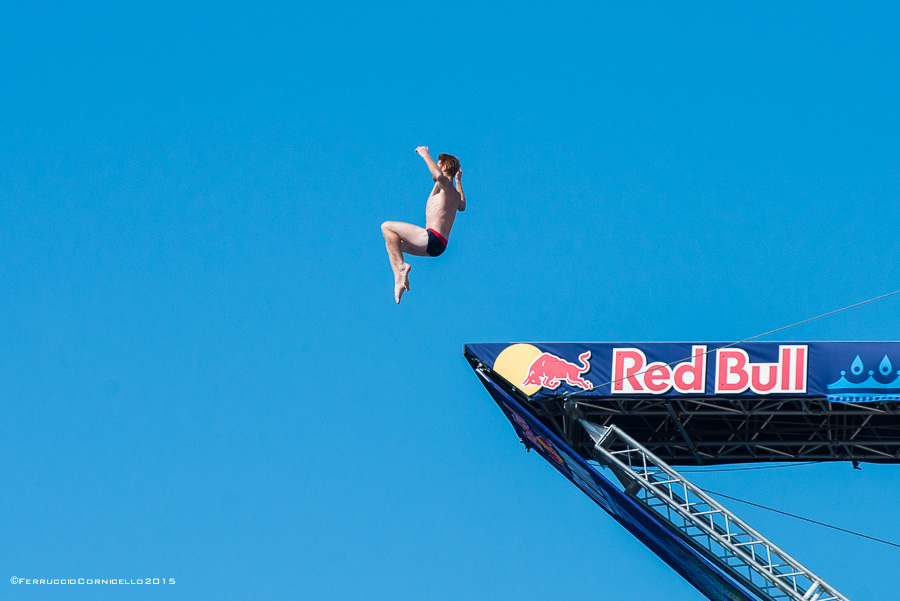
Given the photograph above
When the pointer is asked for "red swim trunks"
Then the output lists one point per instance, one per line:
(437, 244)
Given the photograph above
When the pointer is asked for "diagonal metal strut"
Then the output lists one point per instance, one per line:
(703, 522)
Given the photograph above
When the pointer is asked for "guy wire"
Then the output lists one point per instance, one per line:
(781, 329)
(800, 517)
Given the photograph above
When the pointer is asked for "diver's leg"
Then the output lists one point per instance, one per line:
(402, 237)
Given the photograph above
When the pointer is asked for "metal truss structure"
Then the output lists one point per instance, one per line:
(714, 532)
(717, 430)
(722, 429)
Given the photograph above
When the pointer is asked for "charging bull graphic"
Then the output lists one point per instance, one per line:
(549, 371)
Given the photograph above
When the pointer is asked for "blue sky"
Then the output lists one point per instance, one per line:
(204, 375)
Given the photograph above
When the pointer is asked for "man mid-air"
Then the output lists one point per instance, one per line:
(440, 211)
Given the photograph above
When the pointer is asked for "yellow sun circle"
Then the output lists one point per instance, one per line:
(513, 364)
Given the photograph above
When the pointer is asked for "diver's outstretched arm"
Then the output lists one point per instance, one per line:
(436, 174)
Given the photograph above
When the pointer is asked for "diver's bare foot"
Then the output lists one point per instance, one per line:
(404, 275)
(402, 283)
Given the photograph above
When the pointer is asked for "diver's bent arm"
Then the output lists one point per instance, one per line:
(462, 195)
(436, 174)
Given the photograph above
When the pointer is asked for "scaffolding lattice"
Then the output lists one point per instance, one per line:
(722, 537)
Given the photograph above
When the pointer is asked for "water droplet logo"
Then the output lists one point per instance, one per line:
(869, 389)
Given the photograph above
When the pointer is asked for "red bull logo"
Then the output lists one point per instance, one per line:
(537, 441)
(550, 371)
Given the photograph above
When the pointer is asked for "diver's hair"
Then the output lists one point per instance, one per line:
(451, 162)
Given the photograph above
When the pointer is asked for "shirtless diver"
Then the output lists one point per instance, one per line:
(440, 212)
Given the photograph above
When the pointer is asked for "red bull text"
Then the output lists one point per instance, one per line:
(633, 374)
(735, 373)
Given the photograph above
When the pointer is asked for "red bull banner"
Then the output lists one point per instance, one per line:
(847, 372)
(533, 382)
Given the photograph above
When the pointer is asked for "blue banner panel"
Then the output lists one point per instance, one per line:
(847, 372)
(641, 522)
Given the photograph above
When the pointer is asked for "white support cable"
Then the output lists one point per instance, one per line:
(776, 330)
(755, 560)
